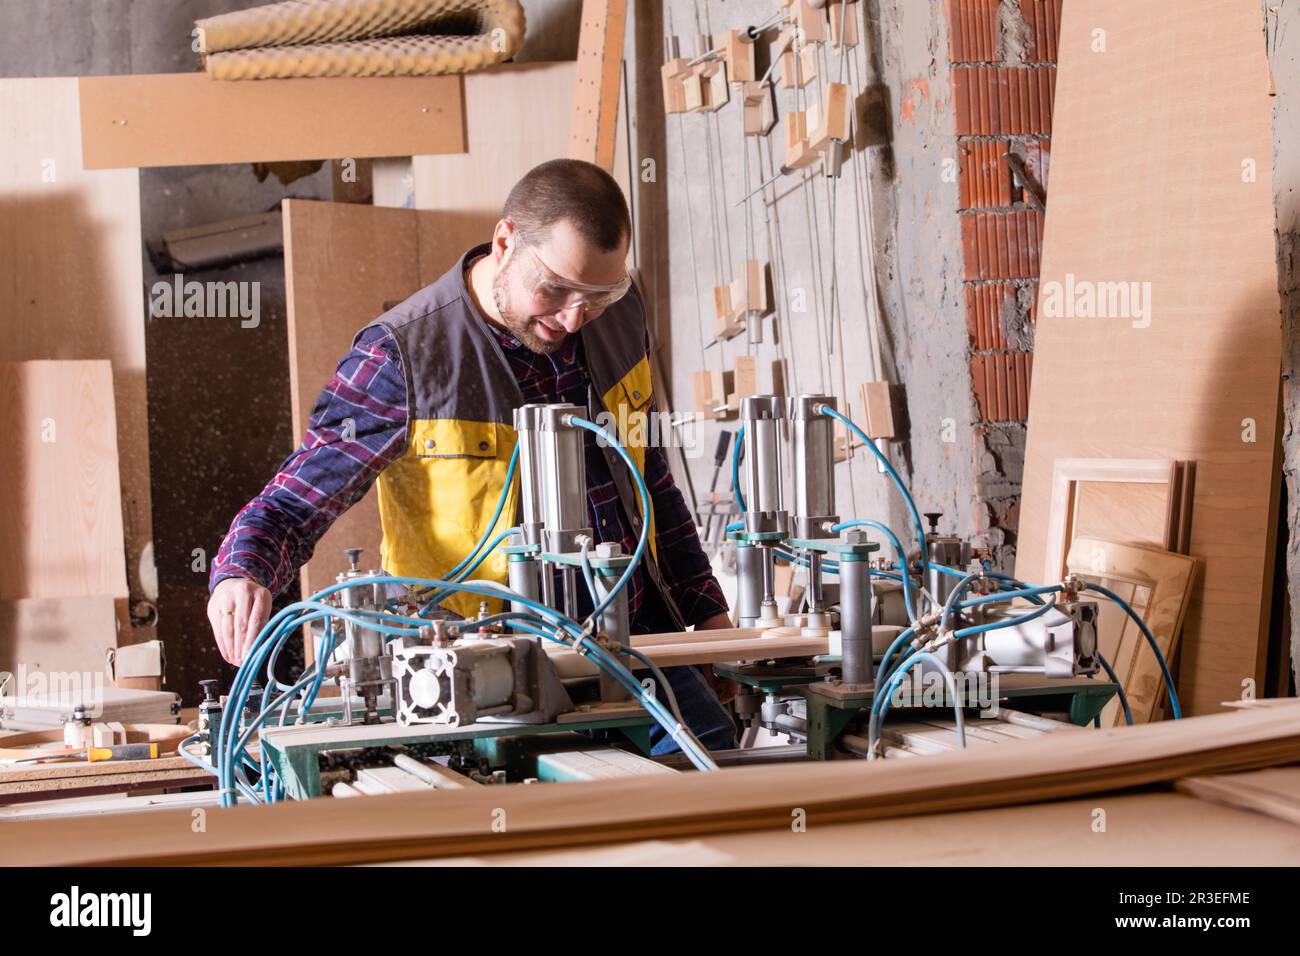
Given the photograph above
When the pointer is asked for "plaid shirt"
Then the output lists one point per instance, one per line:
(359, 427)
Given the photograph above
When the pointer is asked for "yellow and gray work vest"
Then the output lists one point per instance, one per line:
(435, 501)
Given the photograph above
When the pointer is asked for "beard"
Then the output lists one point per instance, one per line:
(520, 326)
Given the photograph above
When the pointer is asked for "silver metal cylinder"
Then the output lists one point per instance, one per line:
(950, 552)
(855, 622)
(615, 624)
(525, 580)
(563, 478)
(764, 508)
(814, 466)
(531, 517)
(749, 584)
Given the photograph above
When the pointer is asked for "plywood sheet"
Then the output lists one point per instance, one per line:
(190, 119)
(1161, 174)
(516, 116)
(72, 287)
(341, 263)
(60, 499)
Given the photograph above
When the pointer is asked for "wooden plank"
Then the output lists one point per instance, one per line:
(190, 119)
(341, 263)
(1141, 830)
(428, 825)
(1177, 104)
(1159, 586)
(1272, 792)
(60, 499)
(599, 77)
(73, 285)
(68, 635)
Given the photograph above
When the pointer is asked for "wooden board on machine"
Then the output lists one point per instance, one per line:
(1054, 767)
(1196, 376)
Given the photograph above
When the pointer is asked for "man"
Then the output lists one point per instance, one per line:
(423, 404)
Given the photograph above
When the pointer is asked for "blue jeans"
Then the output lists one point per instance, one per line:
(701, 712)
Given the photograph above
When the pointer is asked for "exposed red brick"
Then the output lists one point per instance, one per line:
(961, 100)
(977, 386)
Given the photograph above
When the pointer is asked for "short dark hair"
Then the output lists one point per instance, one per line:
(575, 191)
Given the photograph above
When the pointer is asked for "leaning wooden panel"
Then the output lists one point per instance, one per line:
(342, 262)
(190, 119)
(1162, 195)
(73, 285)
(1159, 586)
(60, 498)
(442, 824)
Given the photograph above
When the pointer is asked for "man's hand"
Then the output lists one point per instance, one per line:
(724, 687)
(237, 611)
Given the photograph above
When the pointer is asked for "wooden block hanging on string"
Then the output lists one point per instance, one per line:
(706, 406)
(835, 13)
(882, 402)
(798, 154)
(745, 376)
(738, 53)
(777, 373)
(720, 387)
(760, 115)
(810, 20)
(807, 65)
(713, 79)
(695, 89)
(833, 121)
(671, 75)
(756, 271)
(727, 315)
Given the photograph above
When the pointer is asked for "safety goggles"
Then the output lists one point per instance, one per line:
(558, 294)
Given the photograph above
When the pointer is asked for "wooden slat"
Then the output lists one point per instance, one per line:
(1273, 792)
(600, 59)
(1148, 146)
(189, 119)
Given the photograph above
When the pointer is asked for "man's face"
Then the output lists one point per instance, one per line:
(533, 313)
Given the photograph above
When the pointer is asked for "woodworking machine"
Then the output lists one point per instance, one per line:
(442, 702)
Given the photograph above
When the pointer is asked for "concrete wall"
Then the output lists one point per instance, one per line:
(911, 240)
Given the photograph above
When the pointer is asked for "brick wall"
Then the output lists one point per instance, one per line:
(1003, 56)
